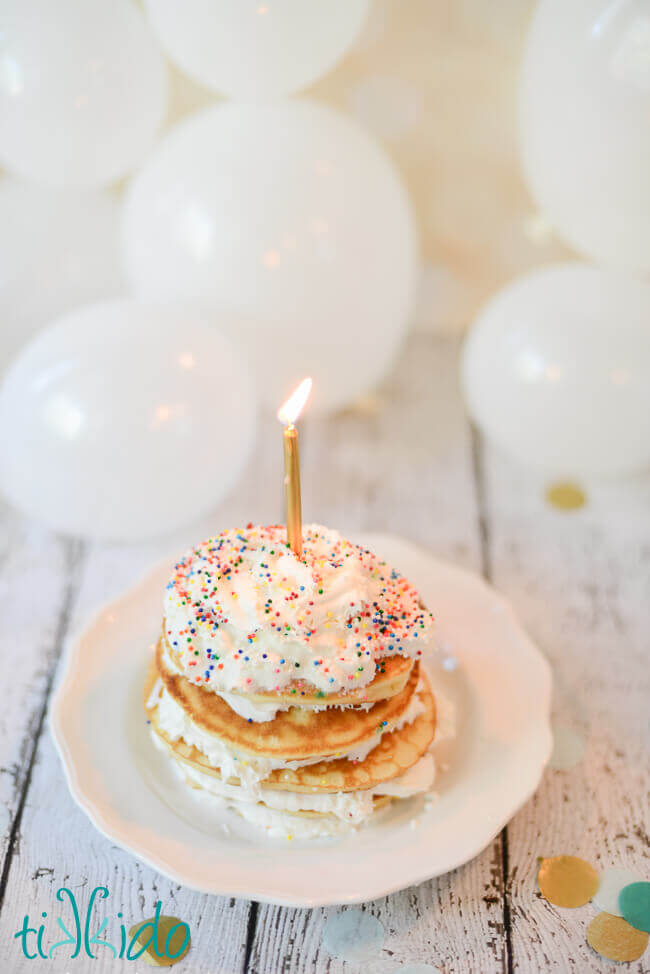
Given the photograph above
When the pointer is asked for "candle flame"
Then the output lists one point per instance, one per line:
(292, 408)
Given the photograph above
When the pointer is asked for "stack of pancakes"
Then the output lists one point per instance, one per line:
(293, 759)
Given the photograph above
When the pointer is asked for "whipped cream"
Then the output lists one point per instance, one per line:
(338, 811)
(353, 806)
(250, 768)
(280, 824)
(244, 613)
(257, 712)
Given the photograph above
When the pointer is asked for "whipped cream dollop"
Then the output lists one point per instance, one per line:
(244, 613)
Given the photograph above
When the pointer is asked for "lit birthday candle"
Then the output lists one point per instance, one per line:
(288, 414)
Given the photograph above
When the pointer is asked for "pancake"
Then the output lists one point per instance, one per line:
(394, 754)
(294, 734)
(390, 678)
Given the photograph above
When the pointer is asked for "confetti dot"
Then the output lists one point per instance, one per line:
(353, 935)
(567, 880)
(568, 748)
(173, 939)
(565, 497)
(613, 938)
(634, 904)
(611, 882)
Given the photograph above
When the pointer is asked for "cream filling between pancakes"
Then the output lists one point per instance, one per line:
(248, 767)
(351, 806)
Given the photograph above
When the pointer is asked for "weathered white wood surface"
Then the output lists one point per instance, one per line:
(405, 463)
(581, 584)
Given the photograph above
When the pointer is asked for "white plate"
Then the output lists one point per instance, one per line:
(498, 680)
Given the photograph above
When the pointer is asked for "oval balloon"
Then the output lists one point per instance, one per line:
(254, 50)
(123, 421)
(555, 370)
(82, 89)
(290, 218)
(584, 125)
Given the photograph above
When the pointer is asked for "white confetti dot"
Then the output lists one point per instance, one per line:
(612, 881)
(353, 935)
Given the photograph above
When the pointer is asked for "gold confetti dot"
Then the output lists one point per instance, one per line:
(566, 497)
(612, 937)
(167, 946)
(567, 880)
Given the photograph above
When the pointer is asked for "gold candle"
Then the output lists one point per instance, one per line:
(292, 500)
(288, 414)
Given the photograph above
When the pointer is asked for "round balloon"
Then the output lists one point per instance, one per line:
(585, 135)
(58, 249)
(254, 50)
(82, 89)
(555, 370)
(288, 216)
(123, 420)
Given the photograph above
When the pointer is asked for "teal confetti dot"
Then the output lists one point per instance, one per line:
(634, 904)
(353, 935)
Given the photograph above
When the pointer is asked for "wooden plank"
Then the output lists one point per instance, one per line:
(38, 577)
(402, 464)
(581, 584)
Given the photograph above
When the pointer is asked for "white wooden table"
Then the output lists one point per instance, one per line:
(406, 463)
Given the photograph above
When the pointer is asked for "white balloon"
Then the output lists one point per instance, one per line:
(82, 89)
(124, 420)
(255, 50)
(585, 129)
(556, 371)
(58, 249)
(289, 216)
